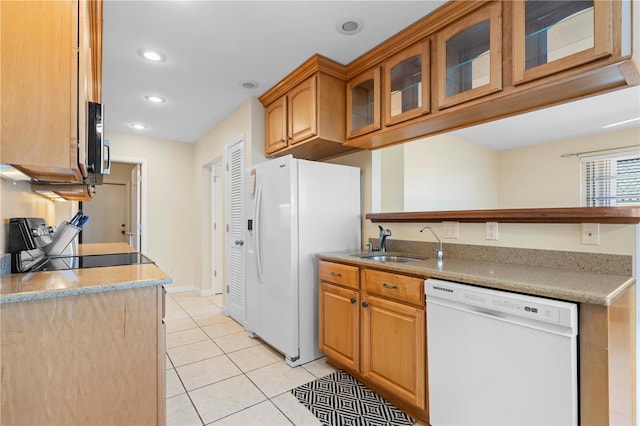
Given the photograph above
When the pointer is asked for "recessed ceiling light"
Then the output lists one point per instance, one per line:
(249, 84)
(620, 123)
(155, 99)
(152, 55)
(138, 126)
(349, 26)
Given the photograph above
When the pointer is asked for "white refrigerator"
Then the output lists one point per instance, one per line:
(295, 209)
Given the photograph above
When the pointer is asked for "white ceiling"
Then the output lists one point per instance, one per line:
(212, 46)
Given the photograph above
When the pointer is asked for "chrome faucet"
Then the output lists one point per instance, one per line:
(439, 252)
(384, 233)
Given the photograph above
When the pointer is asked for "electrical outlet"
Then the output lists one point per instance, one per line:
(491, 231)
(451, 230)
(591, 234)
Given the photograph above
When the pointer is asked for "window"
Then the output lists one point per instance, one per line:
(611, 180)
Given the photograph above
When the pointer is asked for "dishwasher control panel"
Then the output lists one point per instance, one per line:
(496, 301)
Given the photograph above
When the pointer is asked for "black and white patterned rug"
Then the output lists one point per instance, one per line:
(338, 399)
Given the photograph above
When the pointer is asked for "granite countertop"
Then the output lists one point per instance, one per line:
(556, 283)
(50, 284)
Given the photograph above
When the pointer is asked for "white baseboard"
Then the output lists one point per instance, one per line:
(179, 288)
(205, 293)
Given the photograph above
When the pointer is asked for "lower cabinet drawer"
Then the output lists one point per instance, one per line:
(394, 286)
(340, 274)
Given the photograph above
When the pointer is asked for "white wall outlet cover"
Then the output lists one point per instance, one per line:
(590, 234)
(451, 229)
(491, 231)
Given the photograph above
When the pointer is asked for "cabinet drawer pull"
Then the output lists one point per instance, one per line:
(365, 304)
(335, 274)
(385, 285)
(353, 300)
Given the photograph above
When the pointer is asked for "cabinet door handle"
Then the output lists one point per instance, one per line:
(335, 274)
(281, 140)
(365, 304)
(289, 138)
(353, 300)
(385, 285)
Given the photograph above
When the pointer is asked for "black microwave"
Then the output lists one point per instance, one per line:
(98, 159)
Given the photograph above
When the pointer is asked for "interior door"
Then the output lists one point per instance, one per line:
(107, 215)
(134, 237)
(217, 218)
(235, 274)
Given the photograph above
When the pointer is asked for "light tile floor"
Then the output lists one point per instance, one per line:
(217, 374)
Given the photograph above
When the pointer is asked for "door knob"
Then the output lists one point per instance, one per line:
(353, 300)
(239, 242)
(365, 304)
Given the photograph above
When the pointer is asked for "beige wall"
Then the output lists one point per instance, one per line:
(538, 175)
(17, 200)
(170, 215)
(247, 120)
(447, 173)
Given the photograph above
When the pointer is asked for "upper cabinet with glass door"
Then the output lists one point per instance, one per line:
(552, 36)
(363, 103)
(469, 57)
(406, 84)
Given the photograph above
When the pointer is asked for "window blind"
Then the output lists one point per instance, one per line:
(612, 180)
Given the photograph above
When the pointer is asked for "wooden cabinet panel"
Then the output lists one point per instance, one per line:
(393, 348)
(337, 273)
(394, 286)
(87, 359)
(382, 342)
(302, 111)
(51, 65)
(276, 125)
(39, 96)
(311, 114)
(549, 37)
(339, 325)
(469, 57)
(407, 84)
(363, 103)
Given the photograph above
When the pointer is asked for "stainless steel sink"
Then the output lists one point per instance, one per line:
(389, 258)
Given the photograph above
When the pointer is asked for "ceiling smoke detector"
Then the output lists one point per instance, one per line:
(349, 26)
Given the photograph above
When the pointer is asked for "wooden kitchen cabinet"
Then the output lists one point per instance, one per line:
(406, 84)
(375, 327)
(549, 37)
(95, 358)
(363, 103)
(305, 112)
(339, 313)
(51, 67)
(469, 57)
(393, 348)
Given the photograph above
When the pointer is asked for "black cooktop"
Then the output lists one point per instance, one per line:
(61, 263)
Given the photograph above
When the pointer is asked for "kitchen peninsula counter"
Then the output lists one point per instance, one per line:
(48, 284)
(92, 341)
(575, 286)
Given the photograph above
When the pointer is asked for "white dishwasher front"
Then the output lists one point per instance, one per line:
(500, 358)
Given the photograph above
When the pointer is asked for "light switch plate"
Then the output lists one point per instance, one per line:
(591, 234)
(451, 229)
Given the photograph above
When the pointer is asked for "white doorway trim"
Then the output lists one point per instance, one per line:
(143, 195)
(216, 223)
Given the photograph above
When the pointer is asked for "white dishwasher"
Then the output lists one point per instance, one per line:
(499, 358)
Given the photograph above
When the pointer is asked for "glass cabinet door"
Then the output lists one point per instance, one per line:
(469, 57)
(550, 36)
(363, 103)
(406, 84)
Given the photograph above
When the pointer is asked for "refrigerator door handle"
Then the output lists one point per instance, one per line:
(257, 226)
